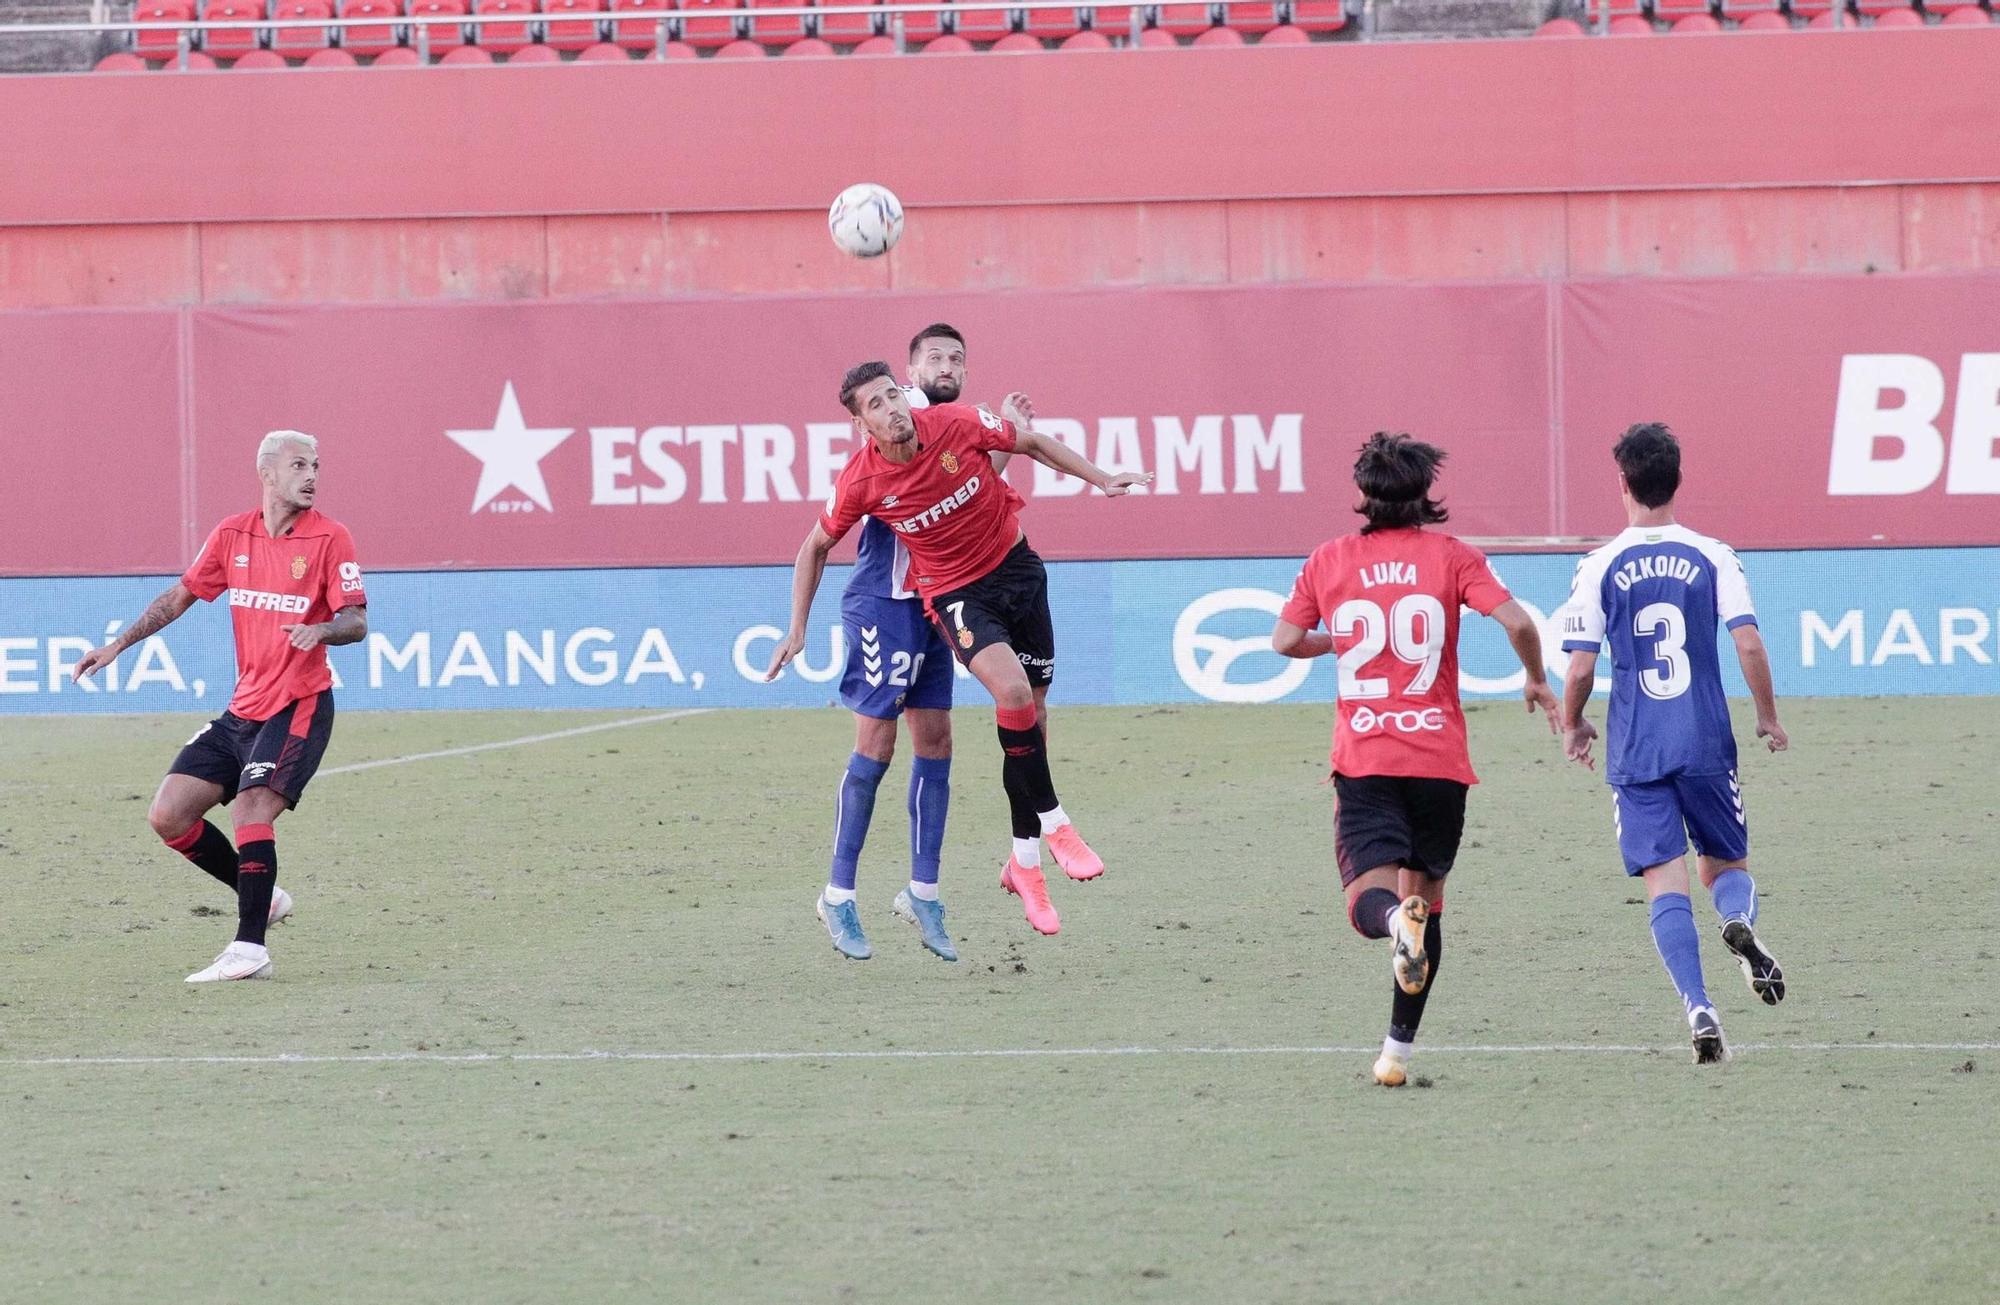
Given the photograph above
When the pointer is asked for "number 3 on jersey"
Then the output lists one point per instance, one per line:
(1666, 621)
(1397, 630)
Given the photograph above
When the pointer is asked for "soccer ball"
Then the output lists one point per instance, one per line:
(866, 220)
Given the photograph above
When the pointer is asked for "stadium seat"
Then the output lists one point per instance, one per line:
(810, 47)
(844, 29)
(397, 56)
(949, 43)
(1183, 20)
(163, 43)
(1088, 40)
(570, 35)
(1157, 38)
(637, 33)
(1319, 15)
(1694, 24)
(465, 56)
(438, 37)
(261, 59)
(1765, 20)
(1629, 25)
(229, 42)
(606, 52)
(300, 41)
(1901, 17)
(918, 28)
(1560, 27)
(120, 61)
(741, 50)
(1966, 16)
(779, 30)
(1827, 18)
(702, 29)
(1250, 19)
(539, 53)
(1051, 24)
(1017, 43)
(1670, 11)
(331, 57)
(976, 22)
(503, 38)
(877, 45)
(368, 39)
(1215, 36)
(1285, 35)
(673, 52)
(196, 61)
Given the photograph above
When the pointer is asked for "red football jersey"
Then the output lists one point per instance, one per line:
(301, 578)
(953, 512)
(1391, 600)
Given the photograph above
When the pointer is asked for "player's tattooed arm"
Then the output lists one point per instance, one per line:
(1061, 457)
(1756, 665)
(806, 573)
(1578, 732)
(1288, 640)
(349, 625)
(159, 614)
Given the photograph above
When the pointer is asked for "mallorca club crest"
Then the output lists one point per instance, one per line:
(964, 638)
(298, 568)
(949, 461)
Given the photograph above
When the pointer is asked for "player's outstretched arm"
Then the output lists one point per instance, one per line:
(1526, 637)
(349, 625)
(806, 573)
(1756, 665)
(1061, 457)
(1578, 732)
(162, 612)
(1288, 640)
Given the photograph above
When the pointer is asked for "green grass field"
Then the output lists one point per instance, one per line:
(649, 890)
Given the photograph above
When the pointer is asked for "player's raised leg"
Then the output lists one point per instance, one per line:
(1066, 845)
(1721, 834)
(929, 802)
(1024, 772)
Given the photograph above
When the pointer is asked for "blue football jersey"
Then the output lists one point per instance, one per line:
(1654, 595)
(881, 563)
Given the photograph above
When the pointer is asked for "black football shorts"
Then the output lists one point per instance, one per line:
(1009, 605)
(1393, 820)
(280, 754)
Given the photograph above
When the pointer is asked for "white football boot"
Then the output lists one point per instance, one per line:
(281, 905)
(239, 960)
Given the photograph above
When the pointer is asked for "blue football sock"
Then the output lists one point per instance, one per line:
(1680, 946)
(930, 798)
(1735, 894)
(853, 807)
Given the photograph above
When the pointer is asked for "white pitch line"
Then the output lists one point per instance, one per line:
(976, 1053)
(515, 743)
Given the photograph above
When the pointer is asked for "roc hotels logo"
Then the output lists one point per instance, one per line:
(510, 454)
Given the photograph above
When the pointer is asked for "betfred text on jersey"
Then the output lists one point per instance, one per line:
(932, 515)
(262, 600)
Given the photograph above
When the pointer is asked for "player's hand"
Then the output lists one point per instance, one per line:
(1770, 730)
(94, 661)
(1018, 409)
(788, 647)
(1541, 697)
(305, 637)
(1125, 481)
(1576, 744)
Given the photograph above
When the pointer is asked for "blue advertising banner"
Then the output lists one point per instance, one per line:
(1905, 621)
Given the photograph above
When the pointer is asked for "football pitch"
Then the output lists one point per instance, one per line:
(554, 1022)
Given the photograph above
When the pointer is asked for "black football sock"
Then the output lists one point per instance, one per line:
(1406, 1011)
(1024, 770)
(1370, 913)
(256, 877)
(209, 848)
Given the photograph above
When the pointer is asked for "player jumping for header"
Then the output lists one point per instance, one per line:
(294, 590)
(926, 475)
(1390, 597)
(1654, 594)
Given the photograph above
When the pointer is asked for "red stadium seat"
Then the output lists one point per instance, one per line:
(1966, 16)
(1219, 36)
(981, 23)
(438, 37)
(1183, 20)
(606, 52)
(164, 43)
(1250, 19)
(949, 43)
(1052, 24)
(917, 28)
(673, 52)
(466, 56)
(228, 42)
(1088, 40)
(1765, 20)
(702, 29)
(539, 53)
(1286, 35)
(397, 56)
(809, 48)
(844, 29)
(1157, 38)
(261, 59)
(197, 61)
(1560, 27)
(570, 35)
(120, 61)
(1630, 25)
(503, 38)
(877, 45)
(1319, 15)
(637, 33)
(1695, 24)
(741, 50)
(331, 57)
(1899, 18)
(1017, 43)
(299, 41)
(369, 39)
(777, 30)
(1830, 18)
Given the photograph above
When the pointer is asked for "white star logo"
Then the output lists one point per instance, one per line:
(511, 453)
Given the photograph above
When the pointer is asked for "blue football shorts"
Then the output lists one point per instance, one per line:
(895, 658)
(1655, 820)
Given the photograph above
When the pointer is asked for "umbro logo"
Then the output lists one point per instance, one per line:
(889, 500)
(257, 770)
(243, 559)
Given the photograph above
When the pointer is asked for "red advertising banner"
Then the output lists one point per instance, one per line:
(701, 432)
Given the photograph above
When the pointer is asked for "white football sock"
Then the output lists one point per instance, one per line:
(1028, 852)
(835, 896)
(1399, 1050)
(928, 892)
(1052, 821)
